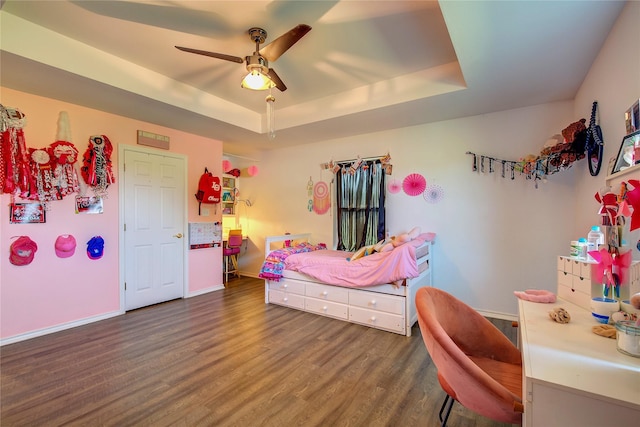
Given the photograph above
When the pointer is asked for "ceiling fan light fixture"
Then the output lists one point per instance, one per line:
(255, 80)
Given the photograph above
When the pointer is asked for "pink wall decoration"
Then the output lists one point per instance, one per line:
(53, 293)
(226, 166)
(253, 170)
(394, 186)
(414, 184)
(433, 193)
(321, 198)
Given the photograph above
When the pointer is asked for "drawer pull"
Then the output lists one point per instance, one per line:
(285, 299)
(373, 302)
(324, 308)
(325, 293)
(285, 286)
(373, 319)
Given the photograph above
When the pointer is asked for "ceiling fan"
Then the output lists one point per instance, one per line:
(260, 76)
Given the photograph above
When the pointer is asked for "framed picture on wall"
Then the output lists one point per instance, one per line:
(27, 213)
(629, 153)
(632, 117)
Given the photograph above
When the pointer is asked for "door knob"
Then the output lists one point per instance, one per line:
(179, 235)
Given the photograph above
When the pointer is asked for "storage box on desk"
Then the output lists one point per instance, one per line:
(574, 280)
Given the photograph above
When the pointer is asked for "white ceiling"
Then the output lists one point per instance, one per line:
(365, 66)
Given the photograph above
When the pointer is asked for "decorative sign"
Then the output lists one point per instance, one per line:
(27, 213)
(205, 235)
(89, 205)
(153, 140)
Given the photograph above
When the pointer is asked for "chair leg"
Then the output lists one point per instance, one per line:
(443, 423)
(234, 262)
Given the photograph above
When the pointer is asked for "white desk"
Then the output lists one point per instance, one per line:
(571, 376)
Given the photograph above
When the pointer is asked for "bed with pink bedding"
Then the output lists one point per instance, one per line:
(377, 290)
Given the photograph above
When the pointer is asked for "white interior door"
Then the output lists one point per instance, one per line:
(153, 228)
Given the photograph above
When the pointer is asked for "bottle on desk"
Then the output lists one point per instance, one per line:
(595, 238)
(579, 248)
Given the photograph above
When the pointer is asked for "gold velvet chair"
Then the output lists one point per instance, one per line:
(478, 366)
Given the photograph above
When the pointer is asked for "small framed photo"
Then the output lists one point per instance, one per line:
(627, 156)
(27, 213)
(632, 118)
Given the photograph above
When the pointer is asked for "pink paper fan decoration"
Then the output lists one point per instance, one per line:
(226, 166)
(414, 184)
(433, 194)
(252, 170)
(393, 186)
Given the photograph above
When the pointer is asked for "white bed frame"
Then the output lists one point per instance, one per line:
(385, 307)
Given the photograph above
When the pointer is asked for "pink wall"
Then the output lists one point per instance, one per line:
(51, 292)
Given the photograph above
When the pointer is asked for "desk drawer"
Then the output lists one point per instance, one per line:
(565, 279)
(564, 264)
(574, 266)
(575, 295)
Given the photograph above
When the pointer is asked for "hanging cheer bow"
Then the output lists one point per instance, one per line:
(609, 206)
(611, 270)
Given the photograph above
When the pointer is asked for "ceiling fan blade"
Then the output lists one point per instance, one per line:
(273, 50)
(212, 54)
(276, 79)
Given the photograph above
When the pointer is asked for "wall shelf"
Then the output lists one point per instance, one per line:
(635, 169)
(229, 186)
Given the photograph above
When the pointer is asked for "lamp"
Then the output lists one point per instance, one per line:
(258, 76)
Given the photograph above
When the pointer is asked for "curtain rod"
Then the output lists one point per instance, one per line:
(364, 159)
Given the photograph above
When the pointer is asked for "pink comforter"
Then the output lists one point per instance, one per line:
(332, 267)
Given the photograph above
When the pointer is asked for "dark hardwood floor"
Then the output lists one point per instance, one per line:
(223, 359)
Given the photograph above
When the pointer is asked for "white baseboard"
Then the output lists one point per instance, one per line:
(248, 274)
(58, 328)
(204, 291)
(497, 315)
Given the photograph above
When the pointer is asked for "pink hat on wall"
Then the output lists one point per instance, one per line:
(23, 249)
(65, 245)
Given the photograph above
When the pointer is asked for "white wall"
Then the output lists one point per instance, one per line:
(494, 235)
(614, 81)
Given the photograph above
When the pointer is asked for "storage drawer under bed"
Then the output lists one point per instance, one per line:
(375, 301)
(291, 286)
(377, 319)
(326, 308)
(288, 299)
(327, 292)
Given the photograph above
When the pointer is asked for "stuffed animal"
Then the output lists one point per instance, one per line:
(386, 245)
(571, 132)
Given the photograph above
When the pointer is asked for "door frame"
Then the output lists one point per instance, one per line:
(185, 240)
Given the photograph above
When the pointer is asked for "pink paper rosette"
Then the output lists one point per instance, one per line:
(394, 186)
(414, 184)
